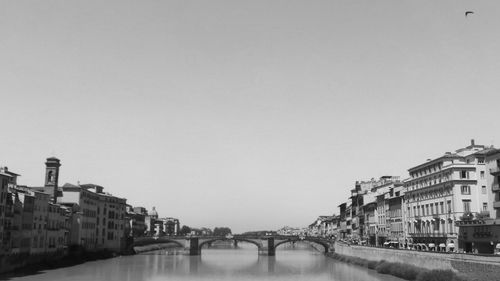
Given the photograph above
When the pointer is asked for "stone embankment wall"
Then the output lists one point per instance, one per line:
(474, 267)
(15, 261)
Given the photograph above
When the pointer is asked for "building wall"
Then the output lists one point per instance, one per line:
(3, 207)
(440, 191)
(493, 181)
(40, 227)
(84, 222)
(28, 202)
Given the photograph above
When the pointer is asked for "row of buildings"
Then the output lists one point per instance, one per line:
(49, 219)
(449, 203)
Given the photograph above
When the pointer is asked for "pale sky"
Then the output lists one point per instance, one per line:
(246, 114)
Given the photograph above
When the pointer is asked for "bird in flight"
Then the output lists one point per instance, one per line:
(468, 13)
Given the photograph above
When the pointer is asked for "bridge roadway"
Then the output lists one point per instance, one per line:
(266, 245)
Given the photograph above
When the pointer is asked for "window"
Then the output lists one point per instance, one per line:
(480, 160)
(464, 175)
(466, 206)
(448, 206)
(465, 189)
(483, 189)
(442, 207)
(482, 174)
(485, 206)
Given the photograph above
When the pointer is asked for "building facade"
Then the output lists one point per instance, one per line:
(98, 218)
(441, 192)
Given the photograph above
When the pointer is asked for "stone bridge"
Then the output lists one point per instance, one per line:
(266, 245)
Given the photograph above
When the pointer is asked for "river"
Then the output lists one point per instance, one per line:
(298, 262)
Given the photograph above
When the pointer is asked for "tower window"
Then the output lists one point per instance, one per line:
(50, 176)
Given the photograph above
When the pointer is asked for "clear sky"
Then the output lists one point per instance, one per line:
(247, 114)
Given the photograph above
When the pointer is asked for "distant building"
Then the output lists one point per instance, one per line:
(342, 223)
(136, 221)
(171, 226)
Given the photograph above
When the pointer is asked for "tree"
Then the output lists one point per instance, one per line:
(221, 231)
(185, 230)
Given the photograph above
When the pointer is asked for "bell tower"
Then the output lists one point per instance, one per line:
(52, 177)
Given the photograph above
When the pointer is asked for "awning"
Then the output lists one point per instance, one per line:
(432, 245)
(442, 245)
(451, 245)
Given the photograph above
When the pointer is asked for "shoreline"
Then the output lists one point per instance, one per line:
(75, 258)
(400, 270)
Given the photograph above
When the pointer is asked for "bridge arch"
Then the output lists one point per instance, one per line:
(208, 241)
(325, 245)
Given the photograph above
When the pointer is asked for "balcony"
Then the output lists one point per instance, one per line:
(495, 171)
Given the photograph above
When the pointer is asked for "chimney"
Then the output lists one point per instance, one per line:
(472, 142)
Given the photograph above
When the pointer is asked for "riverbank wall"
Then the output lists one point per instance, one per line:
(474, 267)
(35, 262)
(17, 261)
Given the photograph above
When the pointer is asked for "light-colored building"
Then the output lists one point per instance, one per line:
(83, 204)
(98, 218)
(445, 190)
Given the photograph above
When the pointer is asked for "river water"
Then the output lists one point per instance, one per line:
(290, 263)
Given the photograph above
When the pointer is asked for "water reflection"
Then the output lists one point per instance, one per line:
(215, 264)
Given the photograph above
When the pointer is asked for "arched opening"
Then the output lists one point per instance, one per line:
(208, 242)
(325, 245)
(50, 177)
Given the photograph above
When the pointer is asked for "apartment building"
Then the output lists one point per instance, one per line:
(394, 199)
(445, 190)
(481, 233)
(98, 218)
(40, 220)
(83, 205)
(57, 228)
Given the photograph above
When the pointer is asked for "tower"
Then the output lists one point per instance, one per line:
(52, 177)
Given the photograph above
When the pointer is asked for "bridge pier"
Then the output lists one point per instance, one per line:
(268, 248)
(194, 248)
